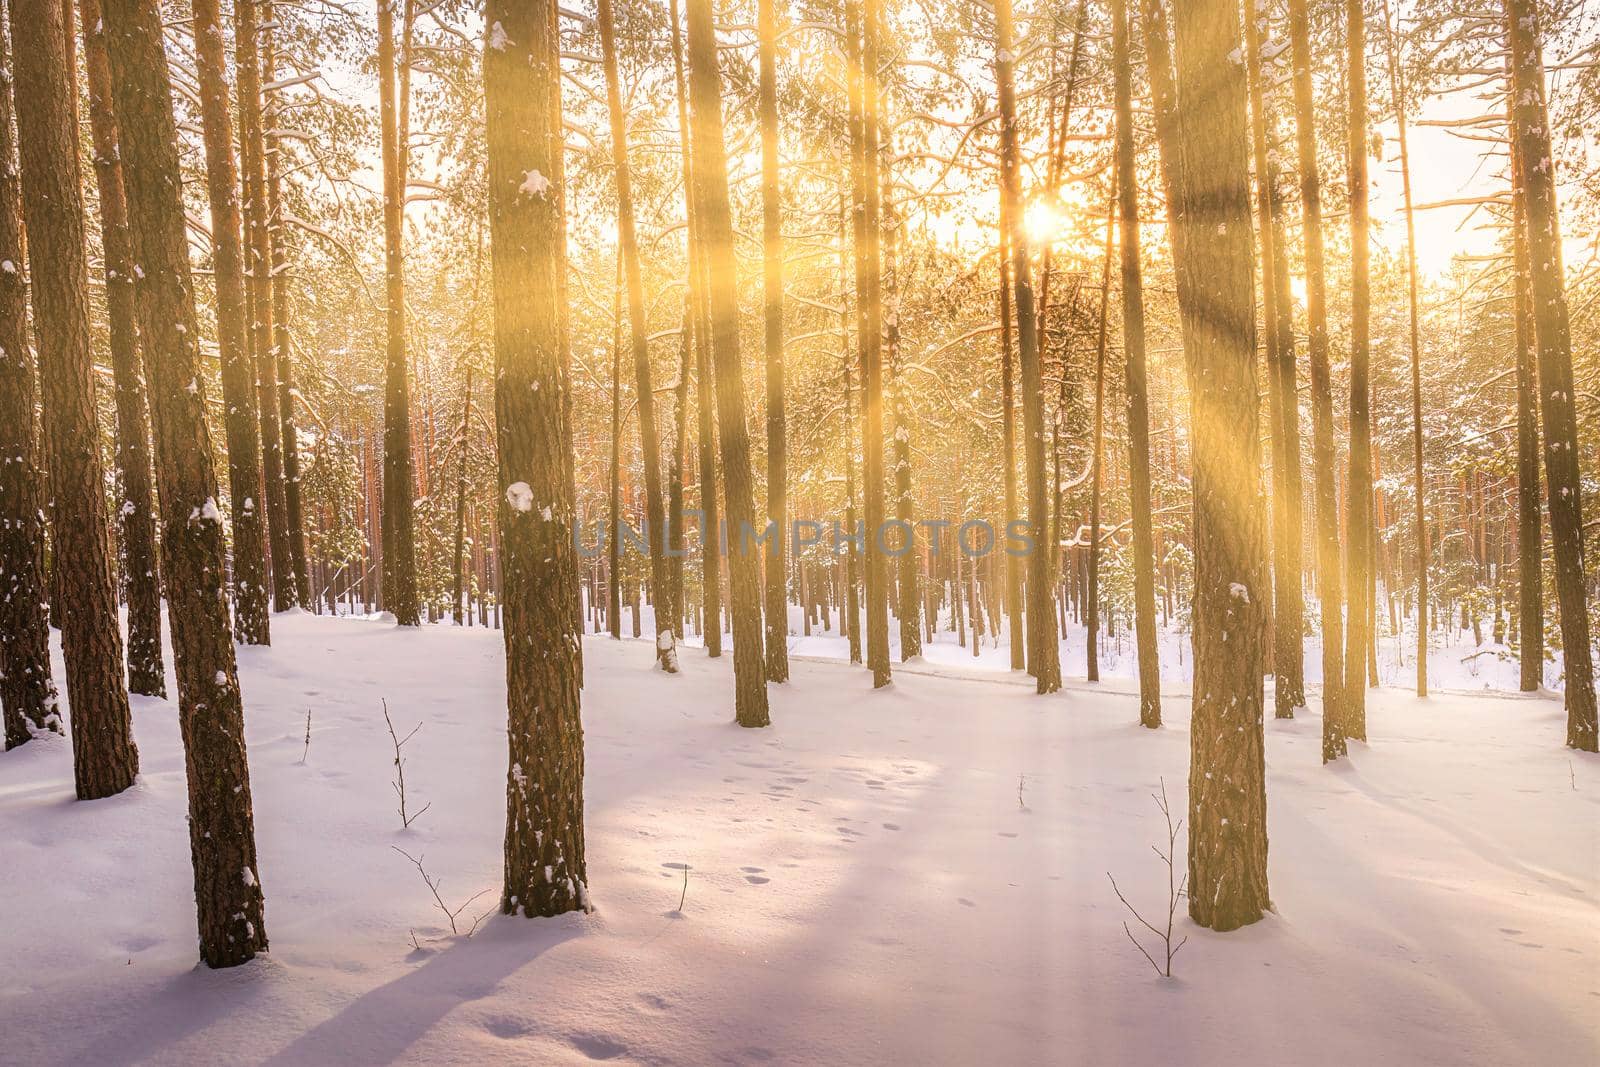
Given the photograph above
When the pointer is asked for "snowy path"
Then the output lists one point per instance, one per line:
(914, 875)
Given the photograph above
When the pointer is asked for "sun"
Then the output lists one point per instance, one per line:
(1044, 222)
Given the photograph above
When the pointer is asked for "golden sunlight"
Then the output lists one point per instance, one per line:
(1044, 222)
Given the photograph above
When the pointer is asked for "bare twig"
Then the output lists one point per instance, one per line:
(307, 751)
(433, 887)
(399, 782)
(685, 894)
(1176, 890)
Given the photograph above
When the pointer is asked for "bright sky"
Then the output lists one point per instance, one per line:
(1443, 167)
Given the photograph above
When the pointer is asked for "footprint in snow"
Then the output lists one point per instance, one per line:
(506, 1029)
(597, 1046)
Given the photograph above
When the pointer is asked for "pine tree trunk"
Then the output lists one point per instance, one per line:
(850, 622)
(294, 507)
(146, 673)
(710, 560)
(777, 574)
(1324, 457)
(558, 181)
(210, 709)
(1138, 415)
(1414, 306)
(457, 570)
(1164, 104)
(239, 384)
(861, 19)
(706, 432)
(908, 600)
(27, 690)
(1215, 271)
(545, 872)
(676, 543)
(1530, 139)
(1097, 458)
(1358, 499)
(711, 188)
(614, 485)
(1008, 447)
(399, 543)
(638, 326)
(105, 759)
(1530, 524)
(258, 289)
(1288, 610)
(1044, 653)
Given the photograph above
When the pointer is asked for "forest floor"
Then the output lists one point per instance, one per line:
(914, 875)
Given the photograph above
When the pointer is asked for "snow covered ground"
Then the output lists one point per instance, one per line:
(911, 875)
(1456, 662)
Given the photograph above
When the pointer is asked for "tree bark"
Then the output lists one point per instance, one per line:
(908, 599)
(294, 508)
(1097, 458)
(711, 187)
(614, 485)
(1414, 307)
(1324, 457)
(1133, 346)
(105, 759)
(1216, 280)
(1530, 523)
(678, 540)
(545, 872)
(27, 690)
(1008, 445)
(849, 599)
(706, 456)
(851, 622)
(638, 326)
(258, 291)
(458, 573)
(1530, 139)
(862, 29)
(146, 673)
(1044, 653)
(210, 708)
(777, 574)
(399, 542)
(1358, 496)
(239, 383)
(1164, 104)
(1289, 609)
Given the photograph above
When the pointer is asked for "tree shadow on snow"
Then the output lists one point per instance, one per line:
(380, 1025)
